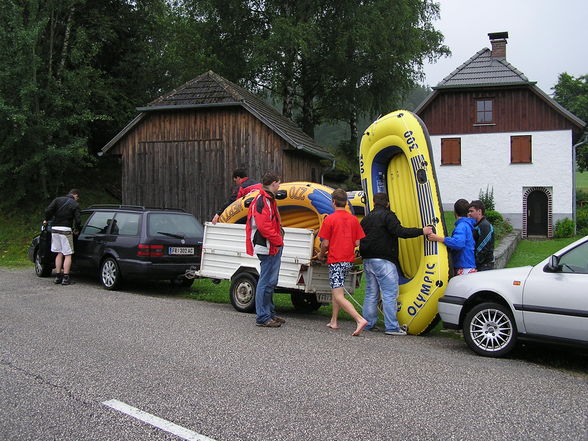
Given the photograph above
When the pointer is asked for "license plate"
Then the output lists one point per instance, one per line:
(184, 251)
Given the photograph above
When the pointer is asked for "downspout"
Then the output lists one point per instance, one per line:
(582, 141)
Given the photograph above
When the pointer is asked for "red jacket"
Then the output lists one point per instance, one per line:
(246, 190)
(263, 229)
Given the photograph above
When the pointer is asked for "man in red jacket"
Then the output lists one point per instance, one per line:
(265, 240)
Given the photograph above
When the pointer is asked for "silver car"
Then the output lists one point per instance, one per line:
(547, 302)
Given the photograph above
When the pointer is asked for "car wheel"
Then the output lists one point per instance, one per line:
(182, 282)
(489, 330)
(110, 274)
(304, 302)
(41, 269)
(243, 292)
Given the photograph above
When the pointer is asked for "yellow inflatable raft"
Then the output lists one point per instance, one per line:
(396, 158)
(357, 201)
(301, 205)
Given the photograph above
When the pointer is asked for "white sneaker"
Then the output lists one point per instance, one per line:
(399, 332)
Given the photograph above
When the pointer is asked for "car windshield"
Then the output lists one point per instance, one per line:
(174, 225)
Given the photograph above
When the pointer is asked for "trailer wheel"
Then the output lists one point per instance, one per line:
(243, 292)
(305, 302)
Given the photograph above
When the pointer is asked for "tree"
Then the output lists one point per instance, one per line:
(72, 73)
(572, 93)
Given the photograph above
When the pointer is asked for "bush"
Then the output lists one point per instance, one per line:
(487, 198)
(501, 227)
(582, 220)
(494, 216)
(564, 228)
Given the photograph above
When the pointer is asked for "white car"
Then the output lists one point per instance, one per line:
(547, 302)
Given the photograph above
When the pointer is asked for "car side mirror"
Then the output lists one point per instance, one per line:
(553, 264)
(281, 194)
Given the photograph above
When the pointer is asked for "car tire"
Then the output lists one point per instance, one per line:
(41, 269)
(304, 302)
(110, 275)
(181, 282)
(242, 292)
(489, 330)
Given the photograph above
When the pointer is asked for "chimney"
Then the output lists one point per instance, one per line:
(498, 40)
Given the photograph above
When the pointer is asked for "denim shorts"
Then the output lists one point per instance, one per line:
(337, 273)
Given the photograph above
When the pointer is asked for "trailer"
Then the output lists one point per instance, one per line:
(224, 257)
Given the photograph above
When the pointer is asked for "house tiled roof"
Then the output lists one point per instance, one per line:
(212, 90)
(484, 70)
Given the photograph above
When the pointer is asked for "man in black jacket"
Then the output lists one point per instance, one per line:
(483, 235)
(65, 213)
(244, 185)
(379, 250)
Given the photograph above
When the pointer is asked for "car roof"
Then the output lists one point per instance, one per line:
(116, 207)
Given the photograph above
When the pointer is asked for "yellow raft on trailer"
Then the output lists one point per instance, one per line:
(301, 205)
(396, 158)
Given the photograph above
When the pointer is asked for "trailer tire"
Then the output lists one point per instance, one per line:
(305, 302)
(243, 292)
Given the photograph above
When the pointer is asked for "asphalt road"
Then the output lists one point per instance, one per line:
(205, 367)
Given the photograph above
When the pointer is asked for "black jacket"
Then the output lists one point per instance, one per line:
(66, 211)
(484, 237)
(382, 230)
(233, 197)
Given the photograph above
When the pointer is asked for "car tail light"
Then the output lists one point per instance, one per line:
(150, 250)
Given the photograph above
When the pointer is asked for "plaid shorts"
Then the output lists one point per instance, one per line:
(337, 273)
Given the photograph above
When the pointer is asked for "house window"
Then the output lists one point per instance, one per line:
(484, 111)
(451, 151)
(520, 149)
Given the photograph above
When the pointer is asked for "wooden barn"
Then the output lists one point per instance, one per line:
(181, 150)
(492, 128)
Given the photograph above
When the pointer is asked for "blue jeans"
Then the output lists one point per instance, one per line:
(268, 280)
(381, 275)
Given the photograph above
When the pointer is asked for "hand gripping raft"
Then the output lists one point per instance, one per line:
(395, 158)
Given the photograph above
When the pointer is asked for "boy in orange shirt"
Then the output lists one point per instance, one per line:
(340, 234)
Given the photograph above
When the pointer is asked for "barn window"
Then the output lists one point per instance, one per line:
(451, 151)
(520, 149)
(484, 111)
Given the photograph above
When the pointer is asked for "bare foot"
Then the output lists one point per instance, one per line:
(329, 325)
(362, 323)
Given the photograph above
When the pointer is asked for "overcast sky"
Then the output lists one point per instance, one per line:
(545, 38)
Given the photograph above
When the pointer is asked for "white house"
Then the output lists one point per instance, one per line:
(491, 127)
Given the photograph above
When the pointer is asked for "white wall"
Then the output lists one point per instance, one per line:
(485, 160)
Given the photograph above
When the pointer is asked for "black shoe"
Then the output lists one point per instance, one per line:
(66, 280)
(59, 279)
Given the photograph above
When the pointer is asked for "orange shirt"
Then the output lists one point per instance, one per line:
(342, 230)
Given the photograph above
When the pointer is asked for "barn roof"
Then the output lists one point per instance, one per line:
(212, 90)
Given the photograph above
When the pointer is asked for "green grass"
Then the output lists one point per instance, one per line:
(531, 252)
(582, 181)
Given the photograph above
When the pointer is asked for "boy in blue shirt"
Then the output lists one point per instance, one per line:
(461, 242)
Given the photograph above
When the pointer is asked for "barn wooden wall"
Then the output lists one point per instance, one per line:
(515, 110)
(185, 159)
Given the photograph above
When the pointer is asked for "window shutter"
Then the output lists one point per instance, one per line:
(451, 151)
(520, 149)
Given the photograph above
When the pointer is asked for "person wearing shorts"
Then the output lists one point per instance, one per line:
(65, 212)
(340, 234)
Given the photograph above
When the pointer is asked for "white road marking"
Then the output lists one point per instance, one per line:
(160, 423)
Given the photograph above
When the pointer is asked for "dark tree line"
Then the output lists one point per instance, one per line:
(73, 71)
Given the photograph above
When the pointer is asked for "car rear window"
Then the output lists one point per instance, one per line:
(184, 225)
(126, 224)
